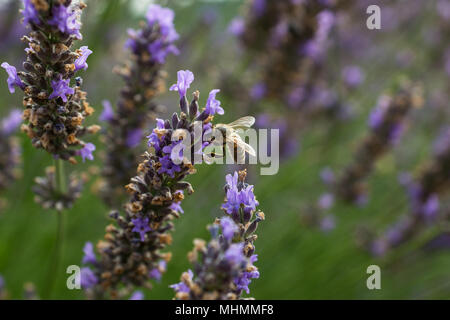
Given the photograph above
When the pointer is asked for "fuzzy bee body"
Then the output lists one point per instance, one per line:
(231, 140)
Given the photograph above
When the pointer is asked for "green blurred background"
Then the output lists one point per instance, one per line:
(295, 261)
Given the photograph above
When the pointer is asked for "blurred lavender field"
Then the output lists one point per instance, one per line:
(321, 91)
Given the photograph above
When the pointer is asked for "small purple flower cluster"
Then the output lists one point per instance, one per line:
(132, 252)
(159, 23)
(55, 109)
(224, 267)
(144, 79)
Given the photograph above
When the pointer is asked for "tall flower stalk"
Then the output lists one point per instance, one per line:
(387, 122)
(224, 267)
(144, 79)
(287, 43)
(133, 250)
(55, 105)
(424, 191)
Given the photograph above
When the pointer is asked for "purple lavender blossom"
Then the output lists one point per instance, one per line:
(237, 26)
(258, 91)
(278, 33)
(212, 104)
(327, 176)
(134, 138)
(61, 89)
(176, 207)
(30, 14)
(88, 278)
(296, 96)
(153, 139)
(13, 78)
(379, 247)
(443, 9)
(243, 281)
(326, 201)
(396, 133)
(86, 151)
(352, 76)
(89, 255)
(107, 113)
(11, 122)
(137, 295)
(310, 49)
(235, 253)
(181, 286)
(184, 80)
(80, 63)
(259, 6)
(247, 199)
(315, 48)
(327, 223)
(377, 114)
(164, 17)
(141, 226)
(229, 228)
(237, 199)
(441, 143)
(156, 273)
(232, 180)
(232, 205)
(159, 50)
(130, 43)
(66, 20)
(168, 167)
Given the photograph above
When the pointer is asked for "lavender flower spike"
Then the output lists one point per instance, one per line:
(424, 192)
(133, 253)
(55, 105)
(389, 115)
(136, 109)
(224, 267)
(49, 69)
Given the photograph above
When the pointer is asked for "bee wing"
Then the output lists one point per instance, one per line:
(242, 145)
(242, 123)
(240, 155)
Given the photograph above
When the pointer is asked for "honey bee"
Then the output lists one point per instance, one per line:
(231, 140)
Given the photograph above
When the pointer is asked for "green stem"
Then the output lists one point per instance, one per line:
(61, 186)
(60, 176)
